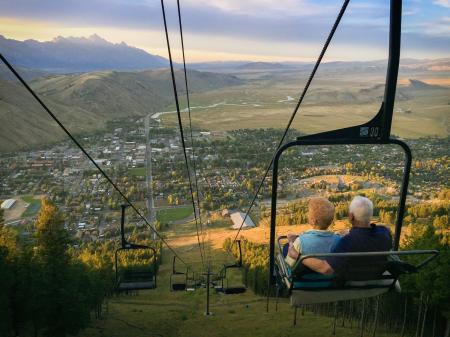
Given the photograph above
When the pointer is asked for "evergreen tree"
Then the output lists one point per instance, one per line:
(7, 277)
(433, 281)
(54, 302)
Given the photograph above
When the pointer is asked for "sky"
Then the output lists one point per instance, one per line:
(227, 30)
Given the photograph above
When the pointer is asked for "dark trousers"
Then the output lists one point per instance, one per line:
(285, 249)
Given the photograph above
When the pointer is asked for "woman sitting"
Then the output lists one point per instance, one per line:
(317, 240)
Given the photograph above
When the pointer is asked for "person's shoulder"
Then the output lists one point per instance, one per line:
(336, 235)
(381, 229)
(341, 244)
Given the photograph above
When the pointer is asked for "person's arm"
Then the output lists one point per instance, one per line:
(319, 266)
(291, 237)
(292, 252)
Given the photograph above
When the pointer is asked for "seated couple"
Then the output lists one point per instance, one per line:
(364, 236)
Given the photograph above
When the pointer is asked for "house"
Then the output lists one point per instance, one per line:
(238, 218)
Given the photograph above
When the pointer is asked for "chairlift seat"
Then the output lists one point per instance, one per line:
(359, 282)
(232, 290)
(141, 285)
(178, 280)
(178, 286)
(301, 297)
(136, 280)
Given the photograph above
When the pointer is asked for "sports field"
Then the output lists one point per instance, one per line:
(174, 214)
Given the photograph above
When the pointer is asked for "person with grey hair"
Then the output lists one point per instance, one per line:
(364, 236)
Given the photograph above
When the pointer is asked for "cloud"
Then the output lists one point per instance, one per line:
(266, 8)
(443, 3)
(244, 26)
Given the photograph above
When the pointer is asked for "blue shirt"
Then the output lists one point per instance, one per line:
(317, 241)
(369, 239)
(314, 241)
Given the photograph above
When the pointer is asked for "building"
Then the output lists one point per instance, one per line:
(238, 218)
(8, 203)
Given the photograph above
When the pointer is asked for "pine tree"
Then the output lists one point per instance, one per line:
(7, 277)
(52, 282)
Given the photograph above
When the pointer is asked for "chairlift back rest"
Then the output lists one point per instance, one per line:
(370, 269)
(130, 275)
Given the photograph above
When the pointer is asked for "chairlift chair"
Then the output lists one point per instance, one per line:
(365, 279)
(131, 279)
(178, 280)
(225, 287)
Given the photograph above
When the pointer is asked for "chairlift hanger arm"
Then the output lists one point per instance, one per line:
(378, 129)
(124, 243)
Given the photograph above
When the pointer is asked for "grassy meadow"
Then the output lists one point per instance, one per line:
(160, 312)
(334, 100)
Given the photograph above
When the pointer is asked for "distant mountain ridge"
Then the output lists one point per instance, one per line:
(262, 65)
(78, 54)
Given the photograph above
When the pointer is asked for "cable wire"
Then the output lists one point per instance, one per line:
(180, 125)
(297, 107)
(61, 125)
(194, 165)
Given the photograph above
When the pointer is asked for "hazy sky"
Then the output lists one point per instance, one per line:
(267, 30)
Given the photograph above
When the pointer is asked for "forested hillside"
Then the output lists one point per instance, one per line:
(51, 286)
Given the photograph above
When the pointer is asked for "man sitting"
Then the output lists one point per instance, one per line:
(364, 236)
(317, 240)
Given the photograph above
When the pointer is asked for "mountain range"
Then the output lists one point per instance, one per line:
(93, 53)
(78, 54)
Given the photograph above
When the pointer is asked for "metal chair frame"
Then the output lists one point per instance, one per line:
(122, 285)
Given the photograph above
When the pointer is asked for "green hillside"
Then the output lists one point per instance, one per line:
(84, 102)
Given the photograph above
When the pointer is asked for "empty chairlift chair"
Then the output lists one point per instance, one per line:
(227, 286)
(136, 276)
(178, 280)
(370, 273)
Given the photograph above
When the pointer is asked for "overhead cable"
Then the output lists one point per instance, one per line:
(297, 107)
(194, 161)
(180, 125)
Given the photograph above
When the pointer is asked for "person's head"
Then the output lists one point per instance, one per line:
(320, 213)
(360, 212)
